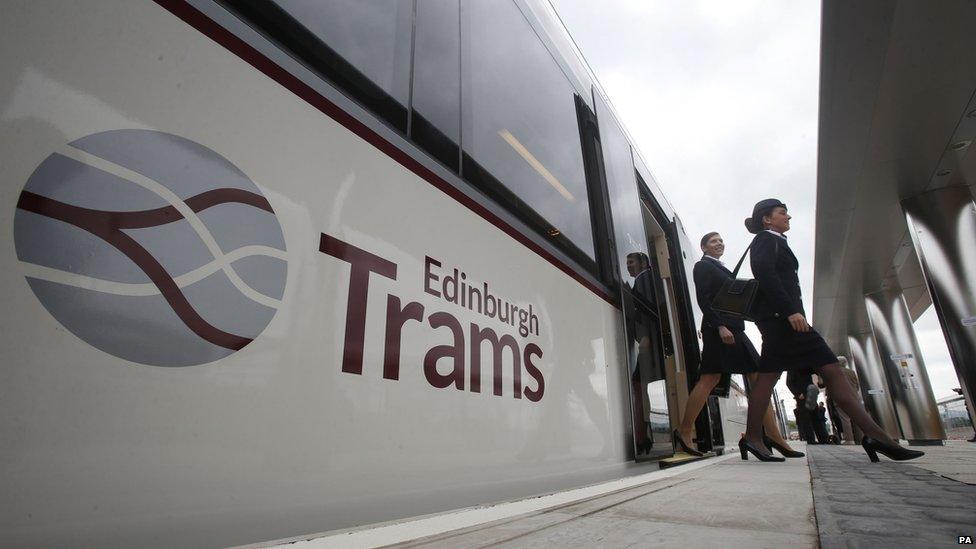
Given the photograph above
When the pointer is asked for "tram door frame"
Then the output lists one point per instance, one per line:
(683, 323)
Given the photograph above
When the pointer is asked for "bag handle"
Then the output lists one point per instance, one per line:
(735, 272)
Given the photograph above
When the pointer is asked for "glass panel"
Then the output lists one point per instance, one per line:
(955, 418)
(369, 43)
(520, 133)
(436, 118)
(564, 48)
(641, 294)
(628, 221)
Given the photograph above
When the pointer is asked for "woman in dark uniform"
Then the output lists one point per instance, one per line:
(789, 343)
(726, 349)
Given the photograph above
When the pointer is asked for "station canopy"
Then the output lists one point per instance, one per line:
(897, 82)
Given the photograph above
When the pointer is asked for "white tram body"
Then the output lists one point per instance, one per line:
(369, 379)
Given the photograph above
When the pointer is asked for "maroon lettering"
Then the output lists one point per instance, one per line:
(472, 291)
(503, 307)
(454, 352)
(497, 344)
(490, 303)
(362, 263)
(533, 350)
(429, 276)
(396, 317)
(533, 321)
(450, 287)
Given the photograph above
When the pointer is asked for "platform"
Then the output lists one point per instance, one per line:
(834, 497)
(921, 503)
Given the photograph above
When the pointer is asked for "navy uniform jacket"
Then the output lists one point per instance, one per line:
(709, 277)
(775, 266)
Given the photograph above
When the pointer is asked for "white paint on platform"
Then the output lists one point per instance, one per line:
(420, 527)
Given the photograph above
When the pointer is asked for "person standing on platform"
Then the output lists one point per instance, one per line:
(820, 424)
(726, 350)
(804, 425)
(790, 343)
(803, 388)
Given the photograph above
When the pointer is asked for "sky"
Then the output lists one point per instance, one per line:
(721, 99)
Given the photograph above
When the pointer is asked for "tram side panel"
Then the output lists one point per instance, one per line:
(274, 343)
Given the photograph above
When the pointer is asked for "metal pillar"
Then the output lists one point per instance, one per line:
(943, 228)
(874, 386)
(904, 369)
(780, 410)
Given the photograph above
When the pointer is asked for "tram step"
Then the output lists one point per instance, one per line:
(682, 458)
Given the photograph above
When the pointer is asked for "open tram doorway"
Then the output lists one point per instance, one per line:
(667, 352)
(671, 371)
(679, 350)
(660, 381)
(661, 335)
(650, 347)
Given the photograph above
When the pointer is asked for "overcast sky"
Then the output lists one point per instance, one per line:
(721, 98)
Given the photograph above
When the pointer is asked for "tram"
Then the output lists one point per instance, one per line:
(282, 267)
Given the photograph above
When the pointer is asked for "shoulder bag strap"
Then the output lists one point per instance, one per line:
(735, 272)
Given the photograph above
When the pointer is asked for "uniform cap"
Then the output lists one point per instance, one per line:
(765, 205)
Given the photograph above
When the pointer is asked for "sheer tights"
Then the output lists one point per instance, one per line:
(840, 391)
(699, 395)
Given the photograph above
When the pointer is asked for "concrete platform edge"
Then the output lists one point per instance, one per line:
(400, 531)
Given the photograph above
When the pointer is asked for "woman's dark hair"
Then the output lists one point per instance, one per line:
(707, 237)
(754, 224)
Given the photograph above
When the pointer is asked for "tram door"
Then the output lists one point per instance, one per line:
(640, 294)
(675, 370)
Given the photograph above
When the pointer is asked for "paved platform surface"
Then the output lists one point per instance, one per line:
(833, 498)
(956, 460)
(711, 507)
(904, 504)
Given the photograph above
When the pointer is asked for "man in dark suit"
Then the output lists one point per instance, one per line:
(820, 423)
(803, 423)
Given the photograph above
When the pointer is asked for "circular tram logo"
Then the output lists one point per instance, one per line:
(151, 247)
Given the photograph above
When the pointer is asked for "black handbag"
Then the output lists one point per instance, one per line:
(737, 295)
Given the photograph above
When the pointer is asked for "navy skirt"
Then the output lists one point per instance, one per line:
(718, 358)
(783, 348)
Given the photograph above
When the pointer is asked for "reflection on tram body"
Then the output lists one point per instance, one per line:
(650, 401)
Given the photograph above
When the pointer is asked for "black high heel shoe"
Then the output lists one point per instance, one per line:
(781, 449)
(684, 448)
(745, 448)
(896, 452)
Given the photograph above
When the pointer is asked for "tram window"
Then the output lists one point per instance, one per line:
(363, 46)
(628, 221)
(519, 132)
(436, 116)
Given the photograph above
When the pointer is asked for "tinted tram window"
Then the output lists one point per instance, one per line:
(519, 133)
(642, 292)
(436, 117)
(628, 221)
(363, 46)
